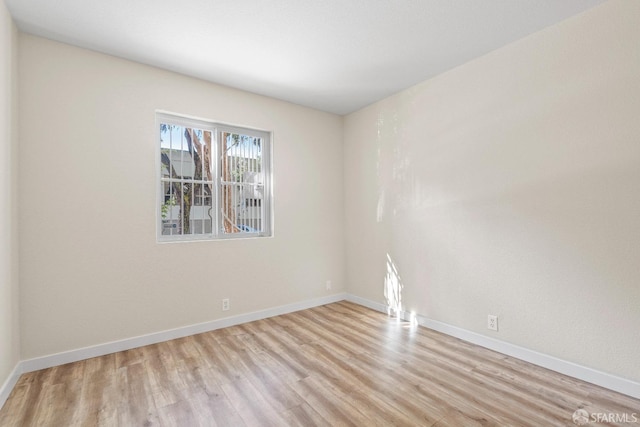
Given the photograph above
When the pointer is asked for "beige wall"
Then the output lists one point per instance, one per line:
(511, 186)
(91, 270)
(9, 331)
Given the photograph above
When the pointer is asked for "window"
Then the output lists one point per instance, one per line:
(214, 180)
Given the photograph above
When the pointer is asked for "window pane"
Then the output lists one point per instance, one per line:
(187, 219)
(242, 190)
(169, 211)
(167, 135)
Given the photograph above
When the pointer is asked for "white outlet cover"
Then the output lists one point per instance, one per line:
(492, 322)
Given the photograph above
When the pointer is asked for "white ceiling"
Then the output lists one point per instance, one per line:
(333, 55)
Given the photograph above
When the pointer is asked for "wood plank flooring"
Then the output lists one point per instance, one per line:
(335, 365)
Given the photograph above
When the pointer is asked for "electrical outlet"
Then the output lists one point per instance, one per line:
(492, 322)
(225, 304)
(328, 285)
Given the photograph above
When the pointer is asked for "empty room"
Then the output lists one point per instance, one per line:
(333, 213)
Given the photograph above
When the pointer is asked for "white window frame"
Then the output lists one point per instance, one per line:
(216, 129)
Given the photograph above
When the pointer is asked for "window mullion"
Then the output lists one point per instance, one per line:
(215, 174)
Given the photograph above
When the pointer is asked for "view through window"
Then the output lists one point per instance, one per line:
(214, 180)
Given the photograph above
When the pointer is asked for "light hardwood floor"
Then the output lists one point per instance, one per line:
(335, 365)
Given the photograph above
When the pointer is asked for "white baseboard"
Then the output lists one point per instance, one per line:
(612, 382)
(603, 379)
(129, 343)
(9, 384)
